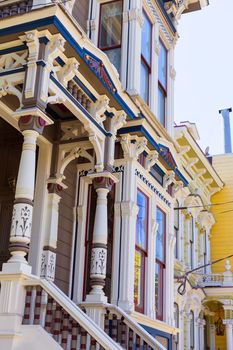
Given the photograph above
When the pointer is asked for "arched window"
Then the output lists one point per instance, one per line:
(192, 343)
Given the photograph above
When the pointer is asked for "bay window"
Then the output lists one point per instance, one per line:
(160, 261)
(145, 58)
(140, 250)
(162, 84)
(110, 28)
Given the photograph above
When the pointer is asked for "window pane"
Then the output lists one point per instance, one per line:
(146, 39)
(163, 66)
(144, 82)
(160, 237)
(139, 280)
(161, 106)
(159, 289)
(114, 56)
(141, 227)
(110, 24)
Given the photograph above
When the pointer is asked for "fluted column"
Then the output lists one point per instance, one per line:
(102, 186)
(20, 234)
(229, 334)
(212, 337)
(201, 323)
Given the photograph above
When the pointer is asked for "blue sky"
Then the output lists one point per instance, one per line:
(204, 66)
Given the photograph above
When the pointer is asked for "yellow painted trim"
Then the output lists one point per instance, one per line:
(146, 321)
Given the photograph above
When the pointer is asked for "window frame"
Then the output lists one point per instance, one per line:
(144, 253)
(105, 49)
(161, 268)
(162, 88)
(143, 60)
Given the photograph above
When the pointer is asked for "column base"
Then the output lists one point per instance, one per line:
(16, 267)
(96, 298)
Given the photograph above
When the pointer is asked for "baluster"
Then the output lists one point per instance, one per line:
(22, 7)
(93, 344)
(123, 333)
(57, 323)
(70, 86)
(75, 91)
(83, 341)
(49, 315)
(88, 105)
(29, 5)
(14, 9)
(130, 342)
(28, 301)
(114, 327)
(79, 96)
(74, 335)
(37, 305)
(84, 101)
(138, 341)
(65, 329)
(106, 322)
(6, 11)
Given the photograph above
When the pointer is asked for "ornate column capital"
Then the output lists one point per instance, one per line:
(29, 122)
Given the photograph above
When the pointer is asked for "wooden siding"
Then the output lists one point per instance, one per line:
(221, 232)
(65, 229)
(10, 151)
(80, 12)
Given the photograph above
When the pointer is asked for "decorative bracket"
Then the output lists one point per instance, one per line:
(168, 179)
(68, 71)
(151, 160)
(133, 148)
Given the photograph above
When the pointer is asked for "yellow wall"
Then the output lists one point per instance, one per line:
(220, 342)
(222, 230)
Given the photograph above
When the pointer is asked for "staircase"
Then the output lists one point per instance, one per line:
(48, 319)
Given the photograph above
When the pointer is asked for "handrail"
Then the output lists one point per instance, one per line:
(137, 328)
(130, 331)
(74, 311)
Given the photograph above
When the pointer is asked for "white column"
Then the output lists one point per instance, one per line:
(201, 334)
(102, 186)
(196, 334)
(20, 234)
(188, 333)
(229, 334)
(48, 259)
(212, 336)
(134, 57)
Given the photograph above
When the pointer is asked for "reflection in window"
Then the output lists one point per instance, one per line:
(162, 84)
(140, 250)
(145, 58)
(192, 330)
(110, 31)
(160, 262)
(176, 229)
(176, 319)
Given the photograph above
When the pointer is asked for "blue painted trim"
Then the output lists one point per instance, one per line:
(79, 106)
(13, 71)
(65, 33)
(168, 18)
(141, 129)
(13, 49)
(41, 63)
(43, 40)
(155, 332)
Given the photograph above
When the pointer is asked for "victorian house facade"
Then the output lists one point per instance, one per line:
(101, 198)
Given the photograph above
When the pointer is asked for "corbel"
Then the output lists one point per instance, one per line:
(68, 71)
(168, 179)
(151, 160)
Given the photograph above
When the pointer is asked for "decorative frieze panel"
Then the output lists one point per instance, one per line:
(10, 85)
(48, 263)
(21, 222)
(98, 262)
(13, 60)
